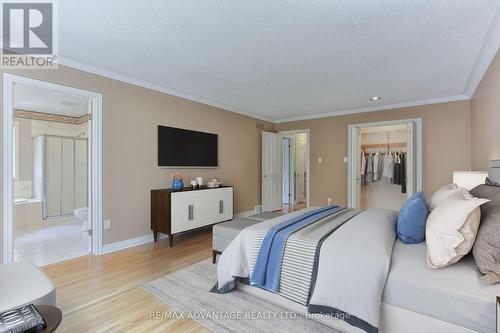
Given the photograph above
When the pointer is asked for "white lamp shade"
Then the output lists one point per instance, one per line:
(469, 179)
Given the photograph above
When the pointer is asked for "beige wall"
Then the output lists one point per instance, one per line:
(446, 146)
(130, 118)
(131, 114)
(485, 118)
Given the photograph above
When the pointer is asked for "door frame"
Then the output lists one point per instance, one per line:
(95, 168)
(308, 159)
(351, 151)
(287, 179)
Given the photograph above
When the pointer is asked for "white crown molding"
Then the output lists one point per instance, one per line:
(156, 87)
(153, 86)
(377, 108)
(485, 55)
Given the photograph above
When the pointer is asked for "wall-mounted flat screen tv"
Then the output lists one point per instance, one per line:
(184, 148)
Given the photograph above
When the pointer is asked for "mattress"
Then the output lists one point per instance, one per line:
(453, 294)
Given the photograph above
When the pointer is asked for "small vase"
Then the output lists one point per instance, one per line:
(177, 184)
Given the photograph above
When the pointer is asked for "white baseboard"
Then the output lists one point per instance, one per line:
(244, 214)
(125, 244)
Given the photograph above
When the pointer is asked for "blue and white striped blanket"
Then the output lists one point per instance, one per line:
(266, 273)
(332, 260)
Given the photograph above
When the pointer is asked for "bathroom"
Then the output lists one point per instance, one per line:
(50, 167)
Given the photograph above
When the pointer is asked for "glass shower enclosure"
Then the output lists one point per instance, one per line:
(60, 174)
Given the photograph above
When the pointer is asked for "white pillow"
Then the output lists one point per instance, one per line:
(441, 195)
(444, 193)
(451, 229)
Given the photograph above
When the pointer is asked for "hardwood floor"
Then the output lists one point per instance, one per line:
(292, 208)
(103, 294)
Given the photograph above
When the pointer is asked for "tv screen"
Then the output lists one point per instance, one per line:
(184, 148)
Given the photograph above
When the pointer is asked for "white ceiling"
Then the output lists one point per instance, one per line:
(35, 99)
(283, 60)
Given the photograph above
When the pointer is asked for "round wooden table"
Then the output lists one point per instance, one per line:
(52, 316)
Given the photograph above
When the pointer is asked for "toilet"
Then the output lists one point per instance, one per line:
(82, 214)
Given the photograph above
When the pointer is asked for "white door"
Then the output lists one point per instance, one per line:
(286, 172)
(354, 167)
(272, 156)
(358, 159)
(89, 179)
(300, 168)
(410, 161)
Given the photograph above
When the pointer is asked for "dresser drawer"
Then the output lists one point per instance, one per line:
(196, 209)
(223, 204)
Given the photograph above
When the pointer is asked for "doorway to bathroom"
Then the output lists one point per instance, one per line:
(295, 170)
(53, 213)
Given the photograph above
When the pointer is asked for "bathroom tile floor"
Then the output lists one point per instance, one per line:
(54, 241)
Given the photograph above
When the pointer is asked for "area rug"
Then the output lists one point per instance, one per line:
(187, 290)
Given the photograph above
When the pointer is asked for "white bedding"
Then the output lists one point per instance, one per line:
(453, 294)
(351, 271)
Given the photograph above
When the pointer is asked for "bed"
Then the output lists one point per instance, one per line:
(418, 299)
(407, 296)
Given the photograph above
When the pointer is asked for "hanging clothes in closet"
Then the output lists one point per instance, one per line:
(377, 166)
(369, 168)
(388, 167)
(397, 169)
(388, 172)
(363, 168)
(400, 171)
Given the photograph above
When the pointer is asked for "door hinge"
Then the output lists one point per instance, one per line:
(90, 232)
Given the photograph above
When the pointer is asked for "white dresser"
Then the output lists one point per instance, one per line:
(174, 212)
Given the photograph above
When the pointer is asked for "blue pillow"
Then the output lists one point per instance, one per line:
(412, 219)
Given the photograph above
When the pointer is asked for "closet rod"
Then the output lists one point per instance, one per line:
(384, 145)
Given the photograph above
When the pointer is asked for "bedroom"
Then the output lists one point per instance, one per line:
(237, 71)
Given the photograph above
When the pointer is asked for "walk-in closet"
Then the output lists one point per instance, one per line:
(383, 166)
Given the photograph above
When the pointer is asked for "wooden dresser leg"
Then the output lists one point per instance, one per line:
(155, 235)
(214, 257)
(171, 240)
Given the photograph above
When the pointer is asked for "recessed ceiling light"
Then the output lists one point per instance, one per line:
(375, 98)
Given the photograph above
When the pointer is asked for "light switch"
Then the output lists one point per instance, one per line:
(345, 159)
(107, 224)
(320, 160)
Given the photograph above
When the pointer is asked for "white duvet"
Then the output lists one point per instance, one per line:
(352, 268)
